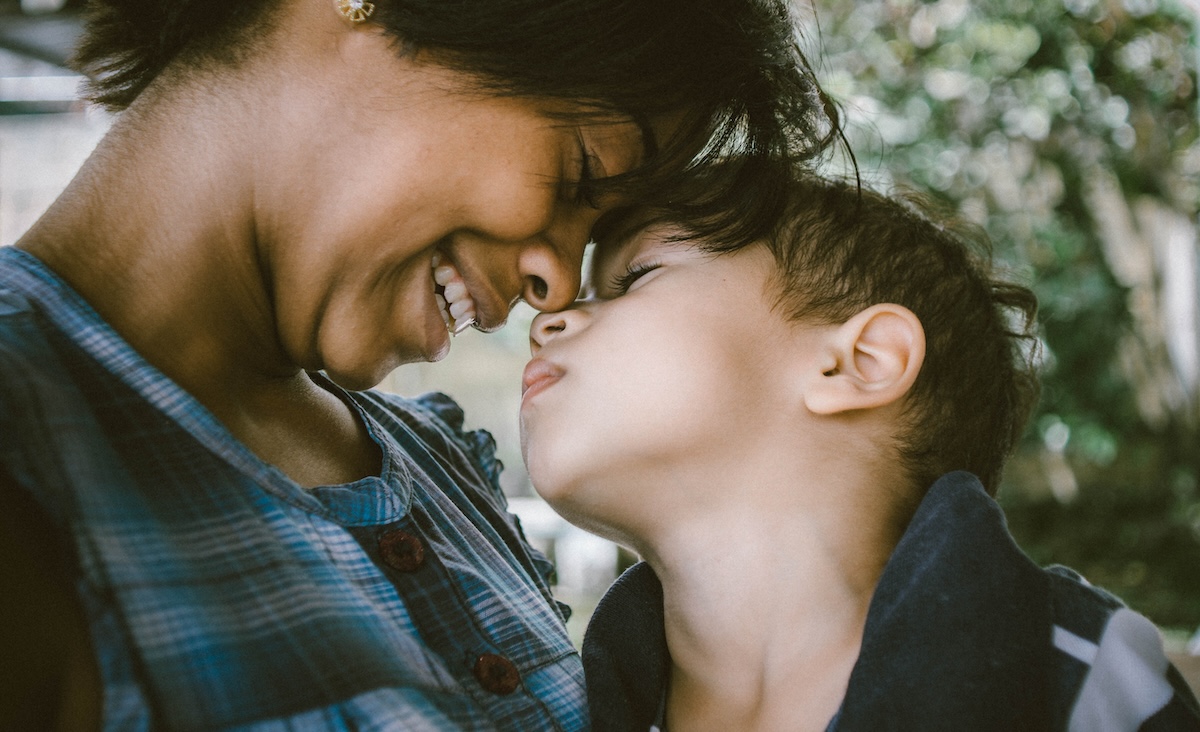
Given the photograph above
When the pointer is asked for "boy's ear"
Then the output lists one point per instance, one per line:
(869, 361)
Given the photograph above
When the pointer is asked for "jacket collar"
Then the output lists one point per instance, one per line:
(959, 626)
(956, 635)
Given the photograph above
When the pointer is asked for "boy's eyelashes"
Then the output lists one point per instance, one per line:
(620, 283)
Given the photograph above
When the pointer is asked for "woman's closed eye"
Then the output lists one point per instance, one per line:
(585, 188)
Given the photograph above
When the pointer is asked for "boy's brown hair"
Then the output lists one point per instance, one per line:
(841, 249)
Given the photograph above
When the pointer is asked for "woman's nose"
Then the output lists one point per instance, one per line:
(550, 273)
(548, 326)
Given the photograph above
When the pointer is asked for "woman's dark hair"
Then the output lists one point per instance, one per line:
(731, 68)
(841, 249)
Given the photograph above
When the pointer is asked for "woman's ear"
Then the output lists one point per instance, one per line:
(869, 361)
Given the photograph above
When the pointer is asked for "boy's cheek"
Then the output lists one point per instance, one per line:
(564, 456)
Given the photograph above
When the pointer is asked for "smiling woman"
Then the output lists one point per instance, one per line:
(294, 199)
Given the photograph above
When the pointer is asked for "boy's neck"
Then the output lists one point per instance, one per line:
(767, 600)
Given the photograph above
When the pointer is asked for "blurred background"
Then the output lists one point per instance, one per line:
(1067, 128)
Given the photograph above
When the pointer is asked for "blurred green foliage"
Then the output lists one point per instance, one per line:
(1030, 118)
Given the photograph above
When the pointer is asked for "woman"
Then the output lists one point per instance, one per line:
(206, 527)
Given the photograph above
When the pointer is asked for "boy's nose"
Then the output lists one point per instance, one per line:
(548, 326)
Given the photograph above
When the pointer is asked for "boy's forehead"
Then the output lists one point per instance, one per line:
(617, 232)
(615, 252)
(609, 251)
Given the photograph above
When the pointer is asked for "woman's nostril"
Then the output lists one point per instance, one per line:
(538, 287)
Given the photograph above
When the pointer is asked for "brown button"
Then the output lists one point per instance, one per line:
(401, 551)
(496, 674)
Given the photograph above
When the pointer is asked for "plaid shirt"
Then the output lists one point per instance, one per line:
(222, 595)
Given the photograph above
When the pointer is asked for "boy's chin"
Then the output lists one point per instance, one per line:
(553, 494)
(548, 475)
(583, 510)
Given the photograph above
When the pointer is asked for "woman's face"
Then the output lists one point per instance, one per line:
(389, 165)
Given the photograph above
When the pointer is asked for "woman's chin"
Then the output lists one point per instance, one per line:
(359, 372)
(356, 379)
(440, 347)
(437, 340)
(366, 372)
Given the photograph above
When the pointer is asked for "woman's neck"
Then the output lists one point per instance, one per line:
(157, 233)
(158, 237)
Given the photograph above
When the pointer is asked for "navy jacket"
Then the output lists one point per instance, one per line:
(964, 632)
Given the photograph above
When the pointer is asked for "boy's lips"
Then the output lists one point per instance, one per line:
(539, 375)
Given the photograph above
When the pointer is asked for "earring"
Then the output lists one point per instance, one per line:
(355, 11)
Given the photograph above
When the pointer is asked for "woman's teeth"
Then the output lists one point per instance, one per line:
(450, 292)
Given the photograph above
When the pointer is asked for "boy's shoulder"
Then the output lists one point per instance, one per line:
(961, 608)
(1109, 669)
(1078, 603)
(964, 632)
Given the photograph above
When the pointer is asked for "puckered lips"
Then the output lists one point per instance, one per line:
(539, 375)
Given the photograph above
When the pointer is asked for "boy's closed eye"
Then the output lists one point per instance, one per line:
(620, 268)
(621, 282)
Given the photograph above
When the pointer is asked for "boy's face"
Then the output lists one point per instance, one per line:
(666, 373)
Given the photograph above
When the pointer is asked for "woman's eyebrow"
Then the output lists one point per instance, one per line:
(649, 139)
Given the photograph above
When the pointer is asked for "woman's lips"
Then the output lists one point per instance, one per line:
(470, 300)
(539, 375)
(450, 293)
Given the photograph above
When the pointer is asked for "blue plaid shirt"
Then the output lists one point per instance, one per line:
(222, 595)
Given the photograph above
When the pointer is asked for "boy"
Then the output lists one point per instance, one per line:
(801, 438)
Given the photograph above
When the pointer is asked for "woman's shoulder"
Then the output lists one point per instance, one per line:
(45, 630)
(436, 424)
(27, 334)
(29, 362)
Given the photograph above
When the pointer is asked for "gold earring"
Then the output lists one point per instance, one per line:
(355, 11)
